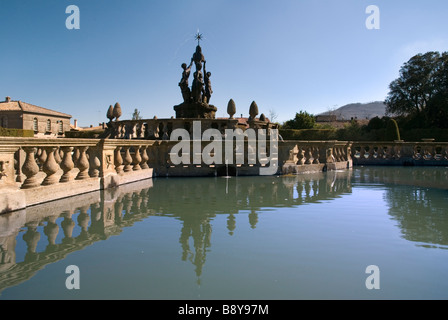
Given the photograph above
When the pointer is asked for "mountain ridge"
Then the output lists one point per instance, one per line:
(357, 110)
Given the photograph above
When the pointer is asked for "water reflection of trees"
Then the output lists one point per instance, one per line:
(50, 232)
(417, 198)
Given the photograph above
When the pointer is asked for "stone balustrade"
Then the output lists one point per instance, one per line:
(38, 170)
(312, 156)
(161, 129)
(400, 153)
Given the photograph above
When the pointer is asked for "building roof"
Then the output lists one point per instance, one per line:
(17, 105)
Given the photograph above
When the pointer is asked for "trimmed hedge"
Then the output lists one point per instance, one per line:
(360, 134)
(418, 134)
(9, 132)
(308, 134)
(92, 134)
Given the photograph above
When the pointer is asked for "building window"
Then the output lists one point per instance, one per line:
(35, 125)
(48, 125)
(61, 127)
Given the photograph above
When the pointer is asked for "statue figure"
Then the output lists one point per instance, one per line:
(208, 86)
(197, 88)
(198, 58)
(183, 84)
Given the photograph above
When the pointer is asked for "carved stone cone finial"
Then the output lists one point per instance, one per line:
(262, 117)
(117, 111)
(253, 110)
(231, 108)
(110, 113)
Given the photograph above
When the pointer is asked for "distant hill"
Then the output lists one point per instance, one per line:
(358, 110)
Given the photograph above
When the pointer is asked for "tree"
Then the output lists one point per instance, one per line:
(272, 115)
(421, 79)
(302, 120)
(136, 115)
(437, 108)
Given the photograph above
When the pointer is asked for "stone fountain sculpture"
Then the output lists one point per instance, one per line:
(196, 102)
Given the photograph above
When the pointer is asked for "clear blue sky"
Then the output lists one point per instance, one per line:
(287, 55)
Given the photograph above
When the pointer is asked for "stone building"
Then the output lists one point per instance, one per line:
(44, 122)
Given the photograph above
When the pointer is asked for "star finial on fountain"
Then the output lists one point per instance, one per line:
(198, 36)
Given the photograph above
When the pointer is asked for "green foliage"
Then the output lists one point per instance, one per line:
(302, 120)
(9, 132)
(376, 123)
(421, 91)
(88, 134)
(308, 134)
(355, 132)
(136, 115)
(350, 131)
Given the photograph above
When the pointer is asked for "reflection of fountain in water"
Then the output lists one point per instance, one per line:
(72, 224)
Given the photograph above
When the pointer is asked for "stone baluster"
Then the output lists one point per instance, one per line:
(417, 155)
(380, 152)
(428, 153)
(136, 159)
(329, 155)
(308, 155)
(83, 219)
(362, 152)
(371, 152)
(42, 157)
(67, 225)
(301, 156)
(145, 158)
(127, 160)
(387, 155)
(316, 155)
(138, 129)
(348, 150)
(94, 163)
(51, 230)
(31, 237)
(165, 135)
(118, 160)
(50, 167)
(343, 153)
(57, 156)
(337, 157)
(397, 151)
(30, 169)
(76, 155)
(83, 164)
(67, 164)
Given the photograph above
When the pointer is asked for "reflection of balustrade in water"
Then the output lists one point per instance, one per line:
(400, 153)
(46, 233)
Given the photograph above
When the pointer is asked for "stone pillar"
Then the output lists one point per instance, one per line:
(30, 169)
(50, 167)
(136, 159)
(83, 164)
(118, 160)
(145, 158)
(67, 164)
(127, 160)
